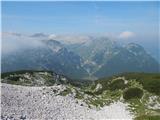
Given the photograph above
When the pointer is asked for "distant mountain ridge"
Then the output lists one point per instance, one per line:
(104, 57)
(97, 58)
(52, 56)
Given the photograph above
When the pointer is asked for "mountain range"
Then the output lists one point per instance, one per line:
(104, 57)
(51, 56)
(93, 59)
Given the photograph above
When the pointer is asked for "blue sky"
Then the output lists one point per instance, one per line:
(140, 19)
(80, 17)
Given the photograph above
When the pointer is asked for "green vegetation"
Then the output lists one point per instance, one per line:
(117, 84)
(138, 107)
(132, 93)
(152, 85)
(80, 83)
(28, 78)
(79, 95)
(149, 81)
(105, 98)
(147, 117)
(6, 74)
(65, 92)
(135, 88)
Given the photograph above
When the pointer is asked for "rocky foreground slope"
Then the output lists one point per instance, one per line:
(46, 95)
(42, 103)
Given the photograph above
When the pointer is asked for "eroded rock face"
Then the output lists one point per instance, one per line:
(19, 102)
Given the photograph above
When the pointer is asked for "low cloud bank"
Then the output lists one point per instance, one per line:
(126, 35)
(12, 41)
(16, 41)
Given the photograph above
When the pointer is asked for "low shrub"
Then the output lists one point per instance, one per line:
(132, 93)
(152, 85)
(117, 84)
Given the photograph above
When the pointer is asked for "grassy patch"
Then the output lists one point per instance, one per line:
(148, 117)
(137, 107)
(149, 81)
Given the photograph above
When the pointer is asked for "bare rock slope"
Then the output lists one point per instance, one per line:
(41, 103)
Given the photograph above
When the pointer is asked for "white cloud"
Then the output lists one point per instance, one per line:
(15, 41)
(69, 38)
(52, 36)
(12, 41)
(126, 35)
(11, 34)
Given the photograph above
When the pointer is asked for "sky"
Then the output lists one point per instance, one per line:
(80, 17)
(133, 21)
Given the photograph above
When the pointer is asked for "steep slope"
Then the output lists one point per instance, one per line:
(51, 56)
(94, 53)
(89, 49)
(131, 58)
(104, 57)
